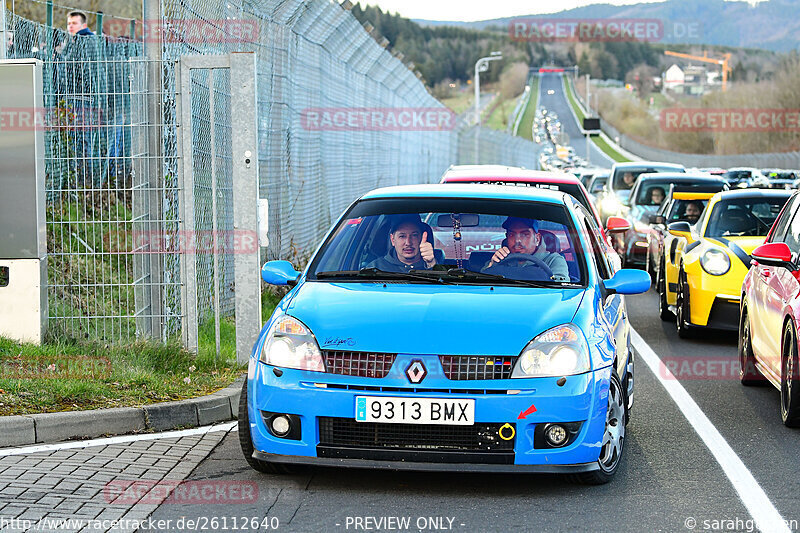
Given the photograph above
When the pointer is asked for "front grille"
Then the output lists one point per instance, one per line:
(361, 364)
(346, 432)
(463, 367)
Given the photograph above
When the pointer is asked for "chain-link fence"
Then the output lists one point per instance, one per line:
(333, 110)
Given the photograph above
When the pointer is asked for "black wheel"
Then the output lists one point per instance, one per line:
(614, 437)
(748, 373)
(790, 385)
(661, 286)
(682, 317)
(246, 442)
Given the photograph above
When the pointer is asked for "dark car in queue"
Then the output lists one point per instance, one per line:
(646, 198)
(623, 178)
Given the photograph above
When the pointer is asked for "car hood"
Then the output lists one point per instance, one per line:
(430, 319)
(748, 244)
(739, 247)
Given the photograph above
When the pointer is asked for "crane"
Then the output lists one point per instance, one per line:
(726, 69)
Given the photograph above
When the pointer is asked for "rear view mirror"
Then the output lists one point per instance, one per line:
(279, 273)
(467, 220)
(680, 229)
(617, 225)
(774, 254)
(628, 281)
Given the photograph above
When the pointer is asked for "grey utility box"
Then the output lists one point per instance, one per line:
(23, 237)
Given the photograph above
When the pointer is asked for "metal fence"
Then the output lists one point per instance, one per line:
(113, 172)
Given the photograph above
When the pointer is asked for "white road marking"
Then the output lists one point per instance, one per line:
(753, 497)
(225, 426)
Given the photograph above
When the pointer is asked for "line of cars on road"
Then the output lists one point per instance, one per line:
(723, 256)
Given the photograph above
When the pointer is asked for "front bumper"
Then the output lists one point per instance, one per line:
(316, 397)
(714, 300)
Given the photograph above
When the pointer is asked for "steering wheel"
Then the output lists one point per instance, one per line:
(528, 261)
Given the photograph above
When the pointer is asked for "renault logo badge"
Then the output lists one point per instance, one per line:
(416, 371)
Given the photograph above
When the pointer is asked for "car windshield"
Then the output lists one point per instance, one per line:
(744, 217)
(386, 239)
(598, 183)
(652, 192)
(625, 178)
(686, 210)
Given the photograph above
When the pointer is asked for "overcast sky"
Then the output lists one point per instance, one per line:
(469, 10)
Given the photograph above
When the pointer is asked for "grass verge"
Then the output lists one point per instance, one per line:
(526, 123)
(79, 375)
(598, 141)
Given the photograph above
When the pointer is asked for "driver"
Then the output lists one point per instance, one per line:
(411, 247)
(523, 237)
(693, 210)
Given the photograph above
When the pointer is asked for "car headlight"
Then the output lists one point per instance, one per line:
(290, 344)
(715, 262)
(560, 351)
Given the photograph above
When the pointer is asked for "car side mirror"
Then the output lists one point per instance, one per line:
(680, 229)
(774, 254)
(617, 225)
(280, 273)
(628, 281)
(657, 219)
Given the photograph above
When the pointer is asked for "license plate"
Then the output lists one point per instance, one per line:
(457, 411)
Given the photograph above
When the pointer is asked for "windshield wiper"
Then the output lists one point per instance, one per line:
(463, 274)
(376, 273)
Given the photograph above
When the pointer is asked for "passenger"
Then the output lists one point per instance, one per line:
(657, 195)
(628, 179)
(411, 247)
(693, 210)
(524, 238)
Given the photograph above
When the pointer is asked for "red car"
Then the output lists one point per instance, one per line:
(522, 177)
(770, 313)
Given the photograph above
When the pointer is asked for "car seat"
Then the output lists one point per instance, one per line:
(735, 221)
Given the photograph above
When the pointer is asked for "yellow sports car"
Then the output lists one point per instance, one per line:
(705, 266)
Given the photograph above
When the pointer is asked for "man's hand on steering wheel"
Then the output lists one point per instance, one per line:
(499, 255)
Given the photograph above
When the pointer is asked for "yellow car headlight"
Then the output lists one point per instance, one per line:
(715, 262)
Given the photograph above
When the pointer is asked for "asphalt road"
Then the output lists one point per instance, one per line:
(558, 103)
(668, 476)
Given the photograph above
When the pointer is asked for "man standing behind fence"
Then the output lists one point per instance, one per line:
(77, 93)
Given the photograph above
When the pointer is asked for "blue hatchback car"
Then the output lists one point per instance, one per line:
(447, 327)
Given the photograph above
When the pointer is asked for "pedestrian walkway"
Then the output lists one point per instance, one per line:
(80, 486)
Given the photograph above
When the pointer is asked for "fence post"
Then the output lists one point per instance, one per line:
(245, 202)
(155, 178)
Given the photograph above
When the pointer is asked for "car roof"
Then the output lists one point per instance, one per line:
(753, 193)
(507, 173)
(469, 190)
(681, 177)
(640, 164)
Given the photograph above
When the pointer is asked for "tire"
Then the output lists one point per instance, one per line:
(661, 286)
(790, 384)
(748, 373)
(682, 323)
(246, 443)
(614, 437)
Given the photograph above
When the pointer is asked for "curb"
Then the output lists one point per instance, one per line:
(22, 430)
